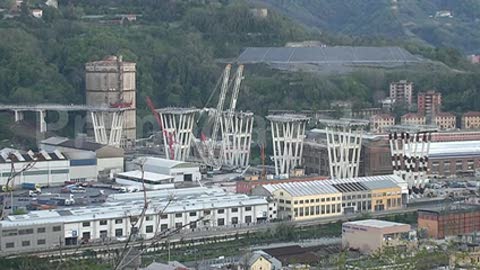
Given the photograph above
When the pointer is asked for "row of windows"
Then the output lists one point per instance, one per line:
(14, 232)
(165, 216)
(317, 200)
(26, 243)
(317, 210)
(163, 227)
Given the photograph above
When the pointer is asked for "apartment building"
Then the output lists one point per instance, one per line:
(445, 120)
(187, 209)
(380, 122)
(413, 119)
(471, 120)
(402, 91)
(429, 103)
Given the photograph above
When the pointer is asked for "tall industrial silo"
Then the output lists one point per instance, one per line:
(111, 82)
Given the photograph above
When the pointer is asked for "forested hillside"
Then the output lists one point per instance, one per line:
(401, 19)
(180, 48)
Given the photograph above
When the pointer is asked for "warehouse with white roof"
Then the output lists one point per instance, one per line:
(181, 171)
(193, 209)
(454, 158)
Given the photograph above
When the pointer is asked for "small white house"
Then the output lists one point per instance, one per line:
(181, 171)
(153, 181)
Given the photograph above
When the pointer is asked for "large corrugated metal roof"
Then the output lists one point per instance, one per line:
(454, 149)
(327, 55)
(121, 209)
(298, 189)
(339, 185)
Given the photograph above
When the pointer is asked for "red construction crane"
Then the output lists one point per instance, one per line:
(168, 136)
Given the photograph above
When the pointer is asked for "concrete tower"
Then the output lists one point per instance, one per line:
(111, 82)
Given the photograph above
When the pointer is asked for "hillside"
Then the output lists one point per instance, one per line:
(394, 19)
(180, 48)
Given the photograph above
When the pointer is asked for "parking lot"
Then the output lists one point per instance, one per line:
(49, 197)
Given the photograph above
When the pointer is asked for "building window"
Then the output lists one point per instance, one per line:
(248, 219)
(164, 216)
(118, 221)
(103, 234)
(118, 232)
(234, 210)
(307, 211)
(317, 210)
(317, 200)
(323, 209)
(103, 222)
(323, 199)
(25, 243)
(163, 227)
(86, 224)
(86, 236)
(192, 214)
(311, 200)
(295, 202)
(301, 211)
(295, 210)
(206, 212)
(149, 229)
(10, 245)
(41, 230)
(221, 222)
(193, 225)
(178, 225)
(148, 218)
(41, 242)
(301, 201)
(221, 211)
(248, 208)
(178, 215)
(25, 231)
(56, 228)
(234, 220)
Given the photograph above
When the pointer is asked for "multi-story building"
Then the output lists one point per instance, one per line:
(429, 103)
(471, 120)
(413, 119)
(379, 122)
(452, 221)
(370, 235)
(306, 200)
(44, 169)
(189, 209)
(445, 120)
(402, 91)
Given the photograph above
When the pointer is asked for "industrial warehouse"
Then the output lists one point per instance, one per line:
(187, 209)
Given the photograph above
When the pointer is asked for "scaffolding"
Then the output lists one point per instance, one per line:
(288, 134)
(410, 146)
(344, 145)
(236, 138)
(178, 131)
